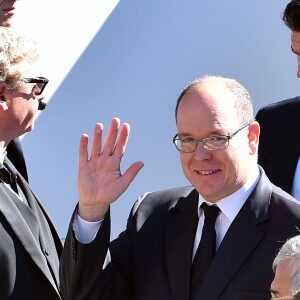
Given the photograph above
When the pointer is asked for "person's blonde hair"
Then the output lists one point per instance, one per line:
(17, 53)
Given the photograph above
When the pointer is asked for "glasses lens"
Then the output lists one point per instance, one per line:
(216, 142)
(38, 88)
(40, 84)
(189, 145)
(185, 145)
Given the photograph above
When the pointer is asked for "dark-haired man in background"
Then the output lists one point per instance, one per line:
(279, 147)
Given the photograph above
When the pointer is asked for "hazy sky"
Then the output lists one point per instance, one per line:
(133, 63)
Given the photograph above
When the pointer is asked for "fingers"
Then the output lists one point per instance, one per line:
(122, 140)
(110, 140)
(97, 140)
(112, 144)
(83, 153)
(131, 172)
(100, 180)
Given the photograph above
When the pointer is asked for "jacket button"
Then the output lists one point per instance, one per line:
(47, 252)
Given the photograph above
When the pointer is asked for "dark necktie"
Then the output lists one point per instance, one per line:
(206, 249)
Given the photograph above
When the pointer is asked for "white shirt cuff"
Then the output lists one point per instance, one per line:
(85, 231)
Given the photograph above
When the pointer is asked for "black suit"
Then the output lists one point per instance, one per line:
(151, 259)
(16, 156)
(279, 146)
(29, 247)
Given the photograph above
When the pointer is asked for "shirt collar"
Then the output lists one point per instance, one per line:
(231, 205)
(5, 175)
(3, 157)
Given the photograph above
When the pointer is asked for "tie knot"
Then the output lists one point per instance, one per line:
(210, 212)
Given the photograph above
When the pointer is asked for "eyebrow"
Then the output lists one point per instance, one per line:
(295, 52)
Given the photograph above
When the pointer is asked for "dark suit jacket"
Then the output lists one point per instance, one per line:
(151, 259)
(279, 146)
(16, 156)
(29, 247)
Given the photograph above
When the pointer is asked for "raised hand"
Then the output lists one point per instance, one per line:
(100, 180)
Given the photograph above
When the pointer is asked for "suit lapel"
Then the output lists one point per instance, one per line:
(180, 234)
(241, 239)
(28, 232)
(46, 241)
(21, 229)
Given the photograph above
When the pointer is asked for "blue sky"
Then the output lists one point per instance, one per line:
(133, 63)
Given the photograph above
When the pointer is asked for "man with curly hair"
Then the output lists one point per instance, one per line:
(14, 149)
(30, 246)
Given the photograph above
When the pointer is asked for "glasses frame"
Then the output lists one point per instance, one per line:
(205, 140)
(40, 83)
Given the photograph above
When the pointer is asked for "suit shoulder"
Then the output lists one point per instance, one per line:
(159, 202)
(163, 197)
(278, 108)
(283, 199)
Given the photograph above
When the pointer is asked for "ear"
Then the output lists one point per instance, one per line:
(253, 137)
(3, 99)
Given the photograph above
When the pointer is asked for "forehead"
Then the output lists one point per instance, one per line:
(207, 105)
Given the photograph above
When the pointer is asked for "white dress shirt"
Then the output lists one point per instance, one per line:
(229, 208)
(85, 231)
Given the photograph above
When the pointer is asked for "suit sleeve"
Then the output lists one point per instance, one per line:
(83, 272)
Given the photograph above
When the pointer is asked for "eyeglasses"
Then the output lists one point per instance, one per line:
(213, 143)
(40, 84)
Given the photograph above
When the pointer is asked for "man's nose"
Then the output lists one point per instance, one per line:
(201, 152)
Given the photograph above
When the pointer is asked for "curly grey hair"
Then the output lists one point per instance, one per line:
(17, 53)
(291, 251)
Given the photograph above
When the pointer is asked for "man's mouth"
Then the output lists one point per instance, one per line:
(207, 172)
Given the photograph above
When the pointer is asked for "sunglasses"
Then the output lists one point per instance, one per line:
(40, 84)
(38, 88)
